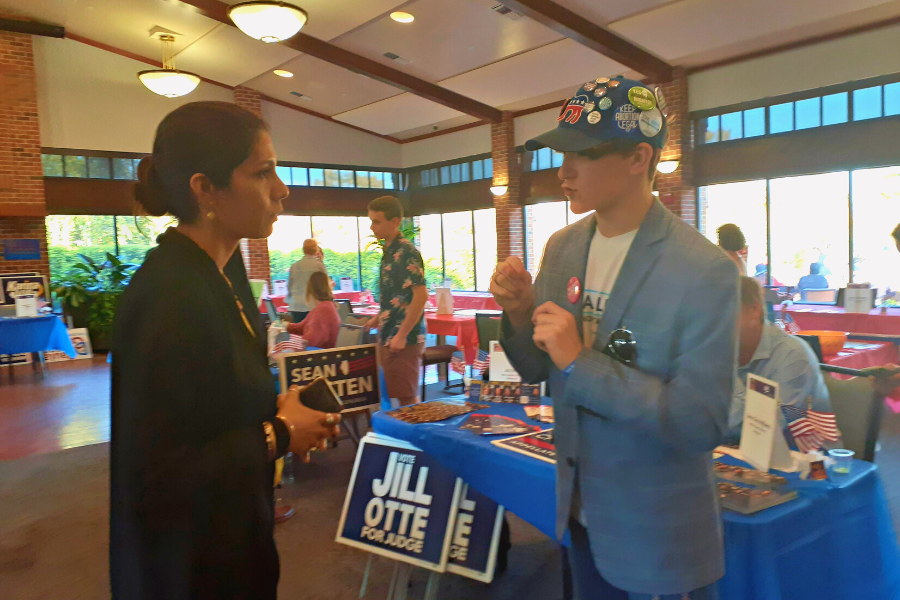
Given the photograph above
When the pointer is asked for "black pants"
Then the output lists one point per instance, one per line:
(298, 316)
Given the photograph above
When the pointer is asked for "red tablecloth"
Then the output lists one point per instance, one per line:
(833, 318)
(471, 301)
(872, 354)
(351, 296)
(281, 305)
(460, 326)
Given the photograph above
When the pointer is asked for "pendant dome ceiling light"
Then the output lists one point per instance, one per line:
(268, 21)
(168, 81)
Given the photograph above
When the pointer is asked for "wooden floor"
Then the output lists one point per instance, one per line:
(68, 408)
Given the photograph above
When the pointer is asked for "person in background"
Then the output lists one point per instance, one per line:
(769, 352)
(322, 323)
(299, 278)
(403, 295)
(732, 241)
(814, 281)
(196, 422)
(632, 319)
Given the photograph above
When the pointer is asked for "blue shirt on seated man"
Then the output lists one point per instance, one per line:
(769, 352)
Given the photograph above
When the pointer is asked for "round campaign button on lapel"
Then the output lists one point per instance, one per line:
(574, 290)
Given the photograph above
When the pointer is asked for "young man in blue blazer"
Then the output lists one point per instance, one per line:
(632, 318)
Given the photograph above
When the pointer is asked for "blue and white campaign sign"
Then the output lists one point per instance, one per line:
(24, 285)
(473, 549)
(352, 372)
(400, 503)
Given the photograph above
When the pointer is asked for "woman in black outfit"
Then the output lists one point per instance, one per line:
(196, 425)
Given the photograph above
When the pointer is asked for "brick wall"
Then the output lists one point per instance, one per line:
(507, 171)
(676, 190)
(22, 205)
(255, 252)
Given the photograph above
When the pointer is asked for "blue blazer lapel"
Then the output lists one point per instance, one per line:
(575, 265)
(639, 262)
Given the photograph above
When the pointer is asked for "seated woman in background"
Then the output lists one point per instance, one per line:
(321, 325)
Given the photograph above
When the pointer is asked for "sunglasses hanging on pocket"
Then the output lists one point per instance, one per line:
(622, 346)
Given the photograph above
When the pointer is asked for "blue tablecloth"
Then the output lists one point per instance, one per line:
(34, 334)
(836, 541)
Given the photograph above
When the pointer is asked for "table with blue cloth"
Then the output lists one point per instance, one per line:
(835, 541)
(22, 335)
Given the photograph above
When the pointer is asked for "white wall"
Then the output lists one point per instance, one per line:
(847, 59)
(92, 99)
(535, 124)
(300, 137)
(467, 142)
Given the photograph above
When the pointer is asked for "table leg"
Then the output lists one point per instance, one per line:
(443, 375)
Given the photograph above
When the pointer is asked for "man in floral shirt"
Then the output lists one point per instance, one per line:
(403, 297)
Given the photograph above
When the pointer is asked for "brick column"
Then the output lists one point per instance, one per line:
(255, 252)
(510, 226)
(676, 190)
(22, 204)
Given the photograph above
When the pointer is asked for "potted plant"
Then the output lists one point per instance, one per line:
(90, 293)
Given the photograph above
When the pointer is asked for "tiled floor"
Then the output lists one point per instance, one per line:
(66, 409)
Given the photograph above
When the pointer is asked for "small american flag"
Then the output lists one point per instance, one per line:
(790, 325)
(458, 362)
(810, 428)
(295, 343)
(483, 361)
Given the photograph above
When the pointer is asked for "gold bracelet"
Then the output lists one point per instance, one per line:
(270, 440)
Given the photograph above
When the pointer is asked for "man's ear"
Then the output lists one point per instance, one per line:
(642, 157)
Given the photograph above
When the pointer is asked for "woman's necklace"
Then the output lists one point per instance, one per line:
(239, 305)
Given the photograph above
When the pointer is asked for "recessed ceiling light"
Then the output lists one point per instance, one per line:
(283, 73)
(402, 17)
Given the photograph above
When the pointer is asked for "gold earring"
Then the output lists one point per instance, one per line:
(210, 215)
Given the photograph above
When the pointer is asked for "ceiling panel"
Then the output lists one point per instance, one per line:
(603, 12)
(229, 56)
(333, 89)
(529, 75)
(447, 38)
(694, 26)
(552, 67)
(122, 24)
(397, 114)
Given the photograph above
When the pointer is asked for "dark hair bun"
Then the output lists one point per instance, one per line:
(149, 190)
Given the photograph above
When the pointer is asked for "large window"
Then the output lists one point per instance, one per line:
(69, 236)
(286, 244)
(459, 255)
(137, 235)
(485, 223)
(743, 204)
(876, 211)
(542, 220)
(810, 225)
(431, 246)
(338, 238)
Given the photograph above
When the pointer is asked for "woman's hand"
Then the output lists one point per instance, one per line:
(309, 428)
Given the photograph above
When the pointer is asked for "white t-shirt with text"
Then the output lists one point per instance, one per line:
(604, 262)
